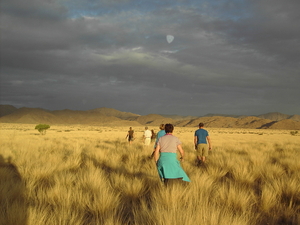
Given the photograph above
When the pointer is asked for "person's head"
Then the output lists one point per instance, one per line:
(146, 128)
(162, 126)
(169, 128)
(201, 125)
(130, 128)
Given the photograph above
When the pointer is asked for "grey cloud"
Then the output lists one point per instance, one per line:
(225, 57)
(34, 9)
(273, 29)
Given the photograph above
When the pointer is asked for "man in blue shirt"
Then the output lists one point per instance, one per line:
(201, 138)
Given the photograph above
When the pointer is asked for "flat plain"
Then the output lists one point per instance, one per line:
(91, 175)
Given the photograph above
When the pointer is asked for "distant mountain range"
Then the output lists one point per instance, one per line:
(113, 117)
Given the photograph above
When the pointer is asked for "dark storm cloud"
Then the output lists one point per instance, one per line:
(236, 57)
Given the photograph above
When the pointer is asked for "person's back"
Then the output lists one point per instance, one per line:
(169, 143)
(159, 134)
(201, 136)
(153, 135)
(147, 136)
(130, 133)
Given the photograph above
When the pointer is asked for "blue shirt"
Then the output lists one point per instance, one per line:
(159, 135)
(201, 135)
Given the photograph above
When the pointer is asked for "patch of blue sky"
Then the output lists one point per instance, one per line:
(230, 9)
(221, 9)
(88, 10)
(77, 9)
(92, 8)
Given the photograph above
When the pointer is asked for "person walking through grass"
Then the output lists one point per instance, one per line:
(201, 138)
(147, 136)
(130, 135)
(165, 156)
(153, 135)
(159, 134)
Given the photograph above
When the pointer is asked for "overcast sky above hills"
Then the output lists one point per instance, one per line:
(238, 57)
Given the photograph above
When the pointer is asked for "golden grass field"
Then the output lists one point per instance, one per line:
(89, 175)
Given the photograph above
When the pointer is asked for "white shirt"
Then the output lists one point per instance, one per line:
(147, 134)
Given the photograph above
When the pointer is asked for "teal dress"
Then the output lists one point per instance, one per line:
(169, 167)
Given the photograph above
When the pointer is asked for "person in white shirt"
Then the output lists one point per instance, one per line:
(147, 136)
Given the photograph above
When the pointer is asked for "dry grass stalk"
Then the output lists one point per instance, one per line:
(91, 175)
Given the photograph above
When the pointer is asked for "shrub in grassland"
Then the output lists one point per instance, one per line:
(294, 132)
(42, 128)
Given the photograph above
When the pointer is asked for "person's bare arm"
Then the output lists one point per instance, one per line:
(156, 153)
(195, 141)
(209, 142)
(180, 149)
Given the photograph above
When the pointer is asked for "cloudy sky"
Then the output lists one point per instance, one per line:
(237, 57)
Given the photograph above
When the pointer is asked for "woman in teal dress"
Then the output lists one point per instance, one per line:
(165, 156)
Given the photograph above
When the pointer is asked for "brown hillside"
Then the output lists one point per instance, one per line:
(177, 117)
(116, 113)
(84, 117)
(153, 120)
(112, 117)
(225, 122)
(274, 116)
(36, 116)
(215, 121)
(123, 123)
(251, 122)
(71, 116)
(295, 117)
(182, 123)
(286, 125)
(29, 115)
(6, 110)
(220, 121)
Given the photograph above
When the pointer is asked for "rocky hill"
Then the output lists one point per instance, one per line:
(6, 110)
(116, 113)
(178, 117)
(35, 116)
(154, 119)
(295, 117)
(113, 117)
(287, 124)
(275, 116)
(30, 115)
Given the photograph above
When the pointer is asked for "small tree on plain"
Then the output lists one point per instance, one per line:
(42, 128)
(294, 132)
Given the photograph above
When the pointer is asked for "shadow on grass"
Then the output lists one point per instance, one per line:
(128, 202)
(13, 209)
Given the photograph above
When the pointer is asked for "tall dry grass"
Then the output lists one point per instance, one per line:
(80, 175)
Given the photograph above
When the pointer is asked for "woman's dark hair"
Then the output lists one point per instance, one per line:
(169, 128)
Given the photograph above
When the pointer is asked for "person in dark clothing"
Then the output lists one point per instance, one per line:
(130, 135)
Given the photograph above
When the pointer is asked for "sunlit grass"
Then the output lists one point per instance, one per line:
(91, 175)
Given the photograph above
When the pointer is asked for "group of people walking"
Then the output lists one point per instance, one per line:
(148, 136)
(165, 150)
